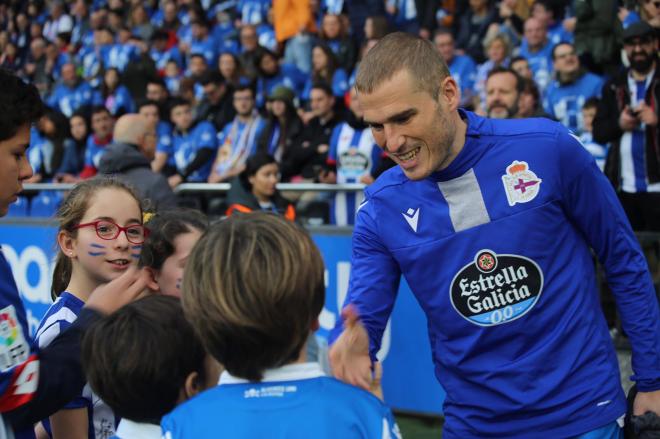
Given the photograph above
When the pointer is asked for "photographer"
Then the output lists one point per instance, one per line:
(627, 117)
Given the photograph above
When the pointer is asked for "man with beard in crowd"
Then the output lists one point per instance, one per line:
(503, 88)
(627, 117)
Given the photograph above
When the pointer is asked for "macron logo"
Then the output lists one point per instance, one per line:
(411, 216)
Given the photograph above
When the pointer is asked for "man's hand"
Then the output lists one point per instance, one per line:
(349, 355)
(175, 180)
(109, 297)
(627, 120)
(646, 402)
(647, 115)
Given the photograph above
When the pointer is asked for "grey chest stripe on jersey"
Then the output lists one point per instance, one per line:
(466, 202)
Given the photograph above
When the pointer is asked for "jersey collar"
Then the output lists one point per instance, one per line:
(290, 372)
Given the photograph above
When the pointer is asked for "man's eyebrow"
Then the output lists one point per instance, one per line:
(398, 117)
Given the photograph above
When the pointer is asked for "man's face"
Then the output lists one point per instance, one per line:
(37, 48)
(535, 32)
(156, 92)
(521, 67)
(14, 167)
(214, 92)
(566, 61)
(248, 38)
(197, 65)
(321, 103)
(198, 31)
(182, 117)
(102, 124)
(641, 53)
(416, 130)
(68, 74)
(148, 144)
(243, 102)
(501, 96)
(331, 26)
(444, 43)
(150, 114)
(268, 65)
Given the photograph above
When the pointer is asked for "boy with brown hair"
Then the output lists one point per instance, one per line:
(254, 289)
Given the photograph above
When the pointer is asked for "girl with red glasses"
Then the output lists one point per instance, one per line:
(100, 236)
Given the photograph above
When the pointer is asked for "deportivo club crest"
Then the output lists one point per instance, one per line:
(495, 289)
(520, 183)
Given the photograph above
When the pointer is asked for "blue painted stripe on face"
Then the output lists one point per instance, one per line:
(97, 245)
(96, 253)
(136, 247)
(135, 256)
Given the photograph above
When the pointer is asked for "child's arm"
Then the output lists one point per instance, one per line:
(70, 424)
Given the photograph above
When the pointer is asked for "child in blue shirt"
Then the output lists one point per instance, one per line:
(253, 290)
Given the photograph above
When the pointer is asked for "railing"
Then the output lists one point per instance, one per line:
(218, 187)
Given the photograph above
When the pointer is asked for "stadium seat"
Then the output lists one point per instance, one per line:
(45, 204)
(20, 208)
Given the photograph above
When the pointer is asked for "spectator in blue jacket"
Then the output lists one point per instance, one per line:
(72, 93)
(114, 95)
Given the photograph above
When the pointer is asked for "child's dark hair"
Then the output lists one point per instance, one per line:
(70, 213)
(254, 290)
(137, 359)
(20, 104)
(164, 227)
(592, 102)
(252, 165)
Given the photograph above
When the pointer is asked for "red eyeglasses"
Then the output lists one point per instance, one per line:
(135, 233)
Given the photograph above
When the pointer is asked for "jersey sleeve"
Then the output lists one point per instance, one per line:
(592, 205)
(374, 279)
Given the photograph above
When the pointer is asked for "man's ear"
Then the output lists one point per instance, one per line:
(450, 93)
(151, 282)
(67, 244)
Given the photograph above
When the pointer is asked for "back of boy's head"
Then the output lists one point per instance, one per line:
(254, 289)
(164, 227)
(71, 212)
(137, 359)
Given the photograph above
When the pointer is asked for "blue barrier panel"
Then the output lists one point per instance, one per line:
(408, 380)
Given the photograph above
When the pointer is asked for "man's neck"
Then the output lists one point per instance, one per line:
(244, 118)
(458, 143)
(538, 47)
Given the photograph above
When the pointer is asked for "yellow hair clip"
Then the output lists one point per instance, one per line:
(146, 217)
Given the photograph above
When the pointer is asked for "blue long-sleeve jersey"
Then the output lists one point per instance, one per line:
(496, 249)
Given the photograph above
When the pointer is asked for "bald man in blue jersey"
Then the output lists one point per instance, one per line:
(492, 223)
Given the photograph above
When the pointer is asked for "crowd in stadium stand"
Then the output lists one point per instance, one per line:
(223, 80)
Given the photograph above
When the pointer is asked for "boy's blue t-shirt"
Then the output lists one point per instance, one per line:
(294, 401)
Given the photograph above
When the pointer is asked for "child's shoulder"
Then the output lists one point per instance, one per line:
(61, 314)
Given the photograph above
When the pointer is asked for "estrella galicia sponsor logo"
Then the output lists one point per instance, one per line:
(495, 289)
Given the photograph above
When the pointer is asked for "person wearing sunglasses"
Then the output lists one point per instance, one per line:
(100, 236)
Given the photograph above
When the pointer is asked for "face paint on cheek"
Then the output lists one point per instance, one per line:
(178, 284)
(96, 253)
(135, 256)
